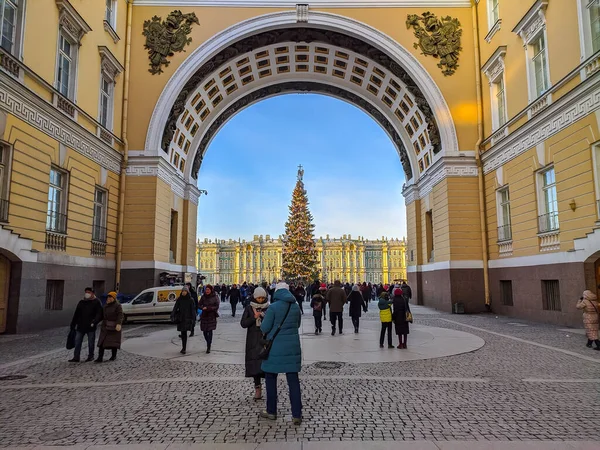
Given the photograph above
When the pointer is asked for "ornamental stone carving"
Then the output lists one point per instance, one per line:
(439, 38)
(164, 38)
(302, 86)
(307, 35)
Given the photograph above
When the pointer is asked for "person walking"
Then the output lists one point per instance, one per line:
(591, 311)
(234, 297)
(252, 319)
(400, 304)
(209, 304)
(385, 315)
(280, 325)
(110, 330)
(336, 298)
(300, 294)
(223, 292)
(317, 303)
(184, 315)
(194, 296)
(406, 291)
(366, 293)
(357, 306)
(88, 314)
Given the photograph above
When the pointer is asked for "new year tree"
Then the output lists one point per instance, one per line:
(299, 253)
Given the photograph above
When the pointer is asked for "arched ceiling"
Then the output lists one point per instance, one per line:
(293, 60)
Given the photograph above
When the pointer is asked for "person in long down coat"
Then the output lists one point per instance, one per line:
(209, 304)
(252, 319)
(184, 314)
(285, 355)
(234, 297)
(358, 304)
(399, 317)
(110, 331)
(591, 311)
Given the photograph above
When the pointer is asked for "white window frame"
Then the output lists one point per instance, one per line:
(541, 196)
(17, 36)
(110, 68)
(101, 221)
(109, 98)
(494, 71)
(532, 56)
(63, 202)
(596, 162)
(72, 58)
(585, 27)
(111, 17)
(494, 23)
(503, 211)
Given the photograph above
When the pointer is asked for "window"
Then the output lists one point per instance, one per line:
(66, 68)
(429, 235)
(57, 205)
(500, 102)
(9, 15)
(506, 292)
(99, 221)
(548, 220)
(111, 13)
(99, 287)
(173, 235)
(493, 12)
(4, 181)
(106, 102)
(594, 13)
(54, 294)
(551, 295)
(539, 65)
(504, 228)
(144, 298)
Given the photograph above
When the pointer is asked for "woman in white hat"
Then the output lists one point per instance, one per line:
(591, 311)
(251, 320)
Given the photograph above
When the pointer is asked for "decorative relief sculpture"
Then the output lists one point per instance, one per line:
(165, 38)
(439, 38)
(307, 35)
(301, 86)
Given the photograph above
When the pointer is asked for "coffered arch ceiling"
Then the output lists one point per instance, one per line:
(302, 59)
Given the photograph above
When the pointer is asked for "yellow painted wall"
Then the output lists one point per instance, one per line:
(464, 221)
(33, 154)
(441, 236)
(139, 219)
(413, 223)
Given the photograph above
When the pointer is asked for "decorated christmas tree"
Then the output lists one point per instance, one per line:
(299, 253)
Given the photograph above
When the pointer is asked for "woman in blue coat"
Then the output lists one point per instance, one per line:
(285, 355)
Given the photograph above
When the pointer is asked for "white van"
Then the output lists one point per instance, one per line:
(152, 304)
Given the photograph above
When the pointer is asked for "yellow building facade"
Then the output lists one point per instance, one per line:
(345, 259)
(107, 108)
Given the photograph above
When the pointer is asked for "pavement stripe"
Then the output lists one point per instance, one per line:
(32, 358)
(211, 379)
(525, 341)
(565, 380)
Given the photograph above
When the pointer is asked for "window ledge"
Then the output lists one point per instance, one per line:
(495, 28)
(110, 30)
(64, 105)
(499, 134)
(537, 106)
(549, 241)
(104, 135)
(592, 66)
(505, 248)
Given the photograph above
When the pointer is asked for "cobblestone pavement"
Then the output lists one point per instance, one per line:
(527, 382)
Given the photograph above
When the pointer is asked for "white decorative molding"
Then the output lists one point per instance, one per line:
(192, 193)
(62, 259)
(168, 267)
(446, 265)
(25, 105)
(550, 241)
(495, 28)
(592, 66)
(539, 105)
(71, 21)
(316, 3)
(494, 66)
(109, 63)
(505, 248)
(318, 20)
(158, 167)
(302, 13)
(581, 101)
(533, 21)
(113, 34)
(18, 246)
(500, 134)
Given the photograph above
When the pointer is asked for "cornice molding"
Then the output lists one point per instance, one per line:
(113, 34)
(495, 64)
(313, 3)
(71, 20)
(581, 101)
(20, 102)
(495, 28)
(532, 22)
(109, 62)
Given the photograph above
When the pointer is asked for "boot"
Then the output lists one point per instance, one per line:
(257, 393)
(333, 331)
(114, 355)
(597, 344)
(589, 343)
(98, 360)
(208, 348)
(182, 351)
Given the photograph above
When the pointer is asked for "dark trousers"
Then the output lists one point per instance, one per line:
(257, 382)
(333, 316)
(233, 308)
(101, 353)
(91, 337)
(184, 337)
(294, 388)
(355, 322)
(318, 322)
(208, 335)
(300, 304)
(386, 326)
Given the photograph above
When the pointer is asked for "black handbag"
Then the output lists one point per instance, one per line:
(268, 343)
(71, 339)
(111, 325)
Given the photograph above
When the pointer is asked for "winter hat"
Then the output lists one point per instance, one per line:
(589, 295)
(397, 292)
(260, 293)
(112, 294)
(185, 288)
(355, 288)
(386, 286)
(281, 285)
(323, 287)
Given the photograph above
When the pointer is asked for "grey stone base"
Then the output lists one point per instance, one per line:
(133, 281)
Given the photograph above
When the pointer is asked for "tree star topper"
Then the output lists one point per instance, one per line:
(439, 38)
(165, 38)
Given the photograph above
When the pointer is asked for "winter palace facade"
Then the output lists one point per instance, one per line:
(107, 108)
(345, 259)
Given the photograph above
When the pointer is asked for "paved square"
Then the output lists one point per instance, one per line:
(533, 383)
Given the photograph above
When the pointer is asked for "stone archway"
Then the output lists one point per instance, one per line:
(276, 53)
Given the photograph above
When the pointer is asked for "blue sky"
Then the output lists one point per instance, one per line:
(352, 172)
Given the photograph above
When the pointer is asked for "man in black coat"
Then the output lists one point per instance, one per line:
(234, 297)
(406, 291)
(194, 296)
(87, 315)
